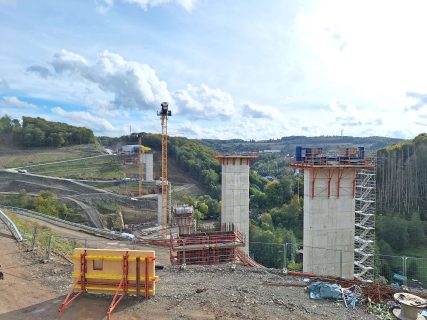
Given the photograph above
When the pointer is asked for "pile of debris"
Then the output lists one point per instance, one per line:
(372, 291)
(352, 292)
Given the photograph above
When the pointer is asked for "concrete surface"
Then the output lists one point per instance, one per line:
(329, 222)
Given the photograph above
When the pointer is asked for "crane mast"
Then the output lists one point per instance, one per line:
(164, 113)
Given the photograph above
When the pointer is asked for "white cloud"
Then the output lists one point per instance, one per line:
(347, 115)
(42, 72)
(254, 110)
(145, 4)
(240, 128)
(86, 119)
(204, 102)
(14, 102)
(133, 85)
(102, 6)
(65, 60)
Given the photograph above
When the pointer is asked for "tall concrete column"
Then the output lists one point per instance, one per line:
(235, 193)
(159, 210)
(147, 159)
(329, 221)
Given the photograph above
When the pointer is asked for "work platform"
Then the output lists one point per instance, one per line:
(207, 248)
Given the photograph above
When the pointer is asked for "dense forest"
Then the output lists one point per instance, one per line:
(402, 196)
(402, 178)
(38, 132)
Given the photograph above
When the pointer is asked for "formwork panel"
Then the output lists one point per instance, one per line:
(106, 279)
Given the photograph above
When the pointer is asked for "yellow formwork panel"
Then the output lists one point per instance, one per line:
(104, 270)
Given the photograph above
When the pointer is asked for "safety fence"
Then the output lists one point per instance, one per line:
(43, 240)
(396, 270)
(64, 223)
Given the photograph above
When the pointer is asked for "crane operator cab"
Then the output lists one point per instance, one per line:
(164, 110)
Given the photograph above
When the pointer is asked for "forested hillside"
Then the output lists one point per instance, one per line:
(287, 144)
(402, 178)
(402, 196)
(38, 132)
(275, 203)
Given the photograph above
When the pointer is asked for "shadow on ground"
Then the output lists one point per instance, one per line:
(85, 307)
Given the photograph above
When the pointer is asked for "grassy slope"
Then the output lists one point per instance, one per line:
(11, 157)
(103, 168)
(26, 228)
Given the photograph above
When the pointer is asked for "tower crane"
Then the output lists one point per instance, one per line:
(164, 113)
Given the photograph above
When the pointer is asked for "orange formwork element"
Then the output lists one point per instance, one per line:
(124, 272)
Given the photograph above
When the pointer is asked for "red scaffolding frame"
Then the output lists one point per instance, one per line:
(207, 248)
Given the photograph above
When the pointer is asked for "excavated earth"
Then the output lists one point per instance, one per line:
(34, 290)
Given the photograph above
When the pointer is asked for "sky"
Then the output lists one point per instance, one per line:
(244, 69)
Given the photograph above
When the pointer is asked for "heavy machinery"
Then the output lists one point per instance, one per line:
(164, 113)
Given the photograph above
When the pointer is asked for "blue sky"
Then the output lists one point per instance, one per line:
(230, 69)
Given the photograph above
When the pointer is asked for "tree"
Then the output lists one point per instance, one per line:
(416, 230)
(5, 124)
(23, 199)
(394, 231)
(287, 185)
(274, 194)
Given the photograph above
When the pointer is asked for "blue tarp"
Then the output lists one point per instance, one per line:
(399, 277)
(324, 290)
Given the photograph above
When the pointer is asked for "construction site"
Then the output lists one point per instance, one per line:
(153, 259)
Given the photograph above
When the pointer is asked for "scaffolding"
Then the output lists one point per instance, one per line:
(364, 241)
(207, 248)
(183, 217)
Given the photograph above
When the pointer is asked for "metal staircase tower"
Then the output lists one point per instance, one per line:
(364, 240)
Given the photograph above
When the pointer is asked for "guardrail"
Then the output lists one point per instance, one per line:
(11, 226)
(67, 224)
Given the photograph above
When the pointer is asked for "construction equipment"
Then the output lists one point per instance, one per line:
(164, 113)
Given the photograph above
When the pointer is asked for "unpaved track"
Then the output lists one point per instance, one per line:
(91, 213)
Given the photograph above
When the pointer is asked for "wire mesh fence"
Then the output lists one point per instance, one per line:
(401, 270)
(394, 270)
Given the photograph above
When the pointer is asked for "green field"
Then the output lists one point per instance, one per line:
(13, 157)
(102, 168)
